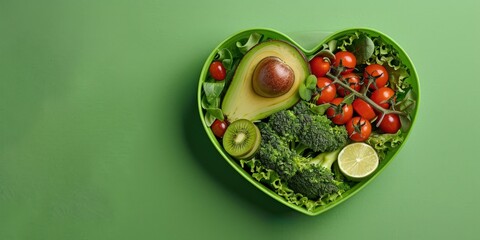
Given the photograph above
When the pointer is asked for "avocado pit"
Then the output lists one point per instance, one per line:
(272, 77)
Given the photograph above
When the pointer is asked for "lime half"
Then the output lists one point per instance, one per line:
(357, 161)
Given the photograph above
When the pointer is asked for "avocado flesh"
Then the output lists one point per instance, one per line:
(242, 102)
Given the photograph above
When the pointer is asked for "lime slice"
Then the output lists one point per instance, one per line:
(357, 161)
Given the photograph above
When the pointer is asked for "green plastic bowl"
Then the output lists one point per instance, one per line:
(270, 33)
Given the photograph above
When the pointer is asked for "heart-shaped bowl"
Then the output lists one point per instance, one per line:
(247, 168)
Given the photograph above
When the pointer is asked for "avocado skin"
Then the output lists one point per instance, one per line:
(242, 102)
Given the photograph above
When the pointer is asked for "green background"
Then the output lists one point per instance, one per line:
(100, 136)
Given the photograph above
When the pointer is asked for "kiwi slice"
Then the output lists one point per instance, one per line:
(242, 139)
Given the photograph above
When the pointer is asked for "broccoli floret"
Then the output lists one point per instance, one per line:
(302, 107)
(318, 134)
(311, 130)
(314, 178)
(286, 123)
(275, 152)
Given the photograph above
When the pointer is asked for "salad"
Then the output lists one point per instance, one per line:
(310, 127)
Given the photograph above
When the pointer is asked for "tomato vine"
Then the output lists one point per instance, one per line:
(363, 95)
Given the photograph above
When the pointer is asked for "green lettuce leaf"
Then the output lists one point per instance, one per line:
(213, 90)
(346, 41)
(383, 143)
(226, 56)
(209, 119)
(406, 103)
(211, 101)
(363, 48)
(253, 40)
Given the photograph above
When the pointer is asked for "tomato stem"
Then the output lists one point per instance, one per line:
(380, 121)
(364, 97)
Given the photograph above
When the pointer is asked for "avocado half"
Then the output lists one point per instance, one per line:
(242, 102)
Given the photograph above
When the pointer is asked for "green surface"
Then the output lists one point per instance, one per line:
(99, 136)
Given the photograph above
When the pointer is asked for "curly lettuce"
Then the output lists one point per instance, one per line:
(383, 143)
(271, 179)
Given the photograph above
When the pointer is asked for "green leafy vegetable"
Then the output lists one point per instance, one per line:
(213, 90)
(311, 82)
(383, 143)
(324, 53)
(349, 99)
(304, 92)
(226, 56)
(308, 88)
(253, 40)
(362, 48)
(209, 119)
(399, 78)
(206, 105)
(211, 101)
(216, 112)
(347, 40)
(332, 45)
(406, 104)
(321, 109)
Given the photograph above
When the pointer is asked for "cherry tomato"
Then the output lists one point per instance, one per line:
(352, 79)
(390, 123)
(383, 96)
(340, 112)
(377, 72)
(219, 128)
(328, 90)
(363, 109)
(358, 129)
(217, 71)
(319, 66)
(347, 59)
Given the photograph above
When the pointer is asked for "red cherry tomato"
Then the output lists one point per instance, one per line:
(347, 59)
(340, 112)
(390, 123)
(377, 72)
(328, 90)
(363, 109)
(217, 71)
(358, 129)
(383, 97)
(351, 79)
(319, 66)
(219, 128)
